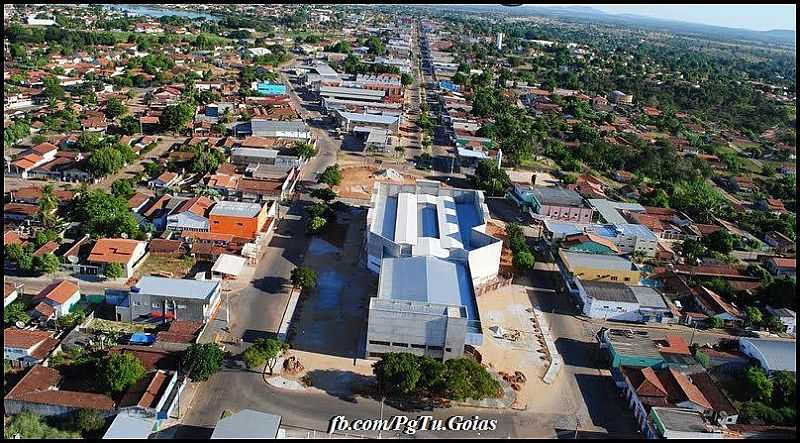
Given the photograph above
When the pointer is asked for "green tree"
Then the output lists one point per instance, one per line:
(774, 324)
(53, 88)
(720, 241)
(331, 176)
(692, 250)
(715, 323)
(105, 161)
(698, 199)
(88, 421)
(523, 260)
(304, 150)
(201, 361)
(129, 125)
(103, 215)
(123, 188)
(703, 359)
(324, 194)
(784, 388)
(304, 278)
(175, 117)
(115, 108)
(759, 383)
(31, 426)
(253, 357)
(316, 225)
(271, 349)
(113, 270)
(46, 263)
(71, 320)
(15, 312)
(490, 178)
(466, 378)
(397, 373)
(753, 316)
(317, 210)
(119, 371)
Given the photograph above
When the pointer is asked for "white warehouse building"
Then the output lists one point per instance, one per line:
(430, 247)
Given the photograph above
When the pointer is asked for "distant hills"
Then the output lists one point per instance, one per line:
(782, 37)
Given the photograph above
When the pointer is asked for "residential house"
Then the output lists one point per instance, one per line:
(38, 392)
(589, 243)
(779, 242)
(551, 202)
(165, 180)
(711, 304)
(772, 205)
(782, 267)
(56, 300)
(591, 267)
(27, 347)
(125, 252)
(618, 301)
(190, 215)
(10, 293)
(787, 317)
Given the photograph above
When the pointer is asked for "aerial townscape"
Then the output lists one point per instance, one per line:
(397, 221)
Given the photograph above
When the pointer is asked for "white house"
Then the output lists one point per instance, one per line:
(26, 347)
(125, 252)
(787, 317)
(57, 299)
(10, 293)
(164, 180)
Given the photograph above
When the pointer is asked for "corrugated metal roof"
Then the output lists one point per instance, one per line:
(175, 287)
(248, 423)
(235, 209)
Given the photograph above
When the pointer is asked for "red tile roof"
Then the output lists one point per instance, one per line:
(23, 338)
(790, 263)
(8, 289)
(113, 250)
(37, 386)
(59, 291)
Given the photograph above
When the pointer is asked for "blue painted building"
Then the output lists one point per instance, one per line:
(266, 88)
(447, 85)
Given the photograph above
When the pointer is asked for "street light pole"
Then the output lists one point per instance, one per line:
(380, 425)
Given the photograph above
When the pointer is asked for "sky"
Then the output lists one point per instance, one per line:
(756, 17)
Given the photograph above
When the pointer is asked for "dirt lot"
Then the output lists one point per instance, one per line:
(520, 348)
(357, 181)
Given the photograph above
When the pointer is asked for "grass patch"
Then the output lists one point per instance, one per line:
(177, 266)
(102, 325)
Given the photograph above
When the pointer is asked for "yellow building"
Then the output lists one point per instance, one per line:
(598, 267)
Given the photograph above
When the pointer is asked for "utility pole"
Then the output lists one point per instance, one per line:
(380, 427)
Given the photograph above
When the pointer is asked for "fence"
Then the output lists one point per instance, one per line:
(494, 284)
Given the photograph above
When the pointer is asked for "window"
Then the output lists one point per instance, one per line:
(181, 306)
(381, 343)
(376, 354)
(417, 346)
(627, 279)
(400, 345)
(448, 349)
(435, 348)
(156, 305)
(613, 278)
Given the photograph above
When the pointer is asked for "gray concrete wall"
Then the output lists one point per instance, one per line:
(415, 333)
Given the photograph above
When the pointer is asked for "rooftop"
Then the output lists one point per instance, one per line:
(369, 118)
(174, 287)
(610, 210)
(236, 209)
(427, 280)
(552, 195)
(596, 261)
(780, 355)
(248, 423)
(113, 250)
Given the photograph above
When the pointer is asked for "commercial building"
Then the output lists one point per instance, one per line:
(627, 238)
(295, 129)
(643, 349)
(348, 121)
(430, 247)
(241, 219)
(247, 424)
(590, 267)
(618, 301)
(171, 298)
(353, 94)
(266, 88)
